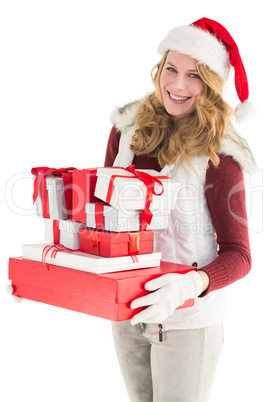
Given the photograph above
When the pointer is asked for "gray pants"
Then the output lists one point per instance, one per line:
(179, 369)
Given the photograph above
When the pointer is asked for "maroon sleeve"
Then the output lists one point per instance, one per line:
(225, 193)
(112, 147)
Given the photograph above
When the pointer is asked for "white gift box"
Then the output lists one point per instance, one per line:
(56, 199)
(68, 233)
(130, 192)
(116, 220)
(89, 262)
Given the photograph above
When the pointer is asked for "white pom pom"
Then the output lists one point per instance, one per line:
(9, 289)
(244, 111)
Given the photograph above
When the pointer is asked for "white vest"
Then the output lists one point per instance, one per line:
(190, 237)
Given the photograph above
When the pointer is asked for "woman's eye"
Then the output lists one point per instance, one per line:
(171, 69)
(195, 76)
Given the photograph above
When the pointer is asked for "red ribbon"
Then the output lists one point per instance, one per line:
(40, 187)
(134, 243)
(99, 218)
(95, 242)
(149, 181)
(45, 253)
(56, 231)
(57, 248)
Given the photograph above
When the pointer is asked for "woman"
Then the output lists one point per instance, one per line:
(184, 130)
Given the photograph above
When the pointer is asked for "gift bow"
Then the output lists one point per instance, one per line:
(40, 174)
(149, 181)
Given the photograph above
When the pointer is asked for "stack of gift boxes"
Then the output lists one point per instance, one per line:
(99, 229)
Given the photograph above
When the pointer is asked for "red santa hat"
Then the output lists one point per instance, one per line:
(210, 44)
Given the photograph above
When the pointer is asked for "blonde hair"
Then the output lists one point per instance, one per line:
(160, 136)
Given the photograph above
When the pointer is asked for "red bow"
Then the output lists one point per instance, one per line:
(41, 174)
(149, 181)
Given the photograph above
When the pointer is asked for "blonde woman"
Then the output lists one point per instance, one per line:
(184, 130)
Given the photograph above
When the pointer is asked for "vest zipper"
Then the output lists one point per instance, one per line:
(160, 326)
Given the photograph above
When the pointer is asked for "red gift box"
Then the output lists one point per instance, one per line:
(84, 183)
(114, 244)
(107, 295)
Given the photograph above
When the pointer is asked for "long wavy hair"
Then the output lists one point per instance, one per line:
(161, 136)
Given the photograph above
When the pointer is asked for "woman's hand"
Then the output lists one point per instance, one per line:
(169, 291)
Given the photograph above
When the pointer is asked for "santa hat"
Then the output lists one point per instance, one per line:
(210, 44)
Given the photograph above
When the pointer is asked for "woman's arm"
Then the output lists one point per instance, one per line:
(112, 147)
(225, 193)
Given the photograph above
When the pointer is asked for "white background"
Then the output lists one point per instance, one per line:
(64, 66)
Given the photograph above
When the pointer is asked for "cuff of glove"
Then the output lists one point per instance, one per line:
(195, 283)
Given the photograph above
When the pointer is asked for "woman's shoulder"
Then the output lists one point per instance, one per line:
(237, 147)
(124, 117)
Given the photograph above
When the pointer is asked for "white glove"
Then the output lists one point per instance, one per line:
(171, 291)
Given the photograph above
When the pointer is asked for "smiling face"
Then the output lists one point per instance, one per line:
(180, 84)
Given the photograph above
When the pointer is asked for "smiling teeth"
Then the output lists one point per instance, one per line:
(178, 97)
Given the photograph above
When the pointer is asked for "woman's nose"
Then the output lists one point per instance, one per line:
(180, 82)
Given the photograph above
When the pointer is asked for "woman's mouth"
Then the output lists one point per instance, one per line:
(178, 99)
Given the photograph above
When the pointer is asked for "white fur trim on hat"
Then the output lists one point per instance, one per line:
(200, 45)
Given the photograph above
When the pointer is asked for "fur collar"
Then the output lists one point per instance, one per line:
(124, 117)
(232, 143)
(237, 147)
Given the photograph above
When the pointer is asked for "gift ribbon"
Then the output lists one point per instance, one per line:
(149, 181)
(41, 173)
(57, 248)
(95, 242)
(134, 243)
(99, 218)
(56, 232)
(45, 253)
